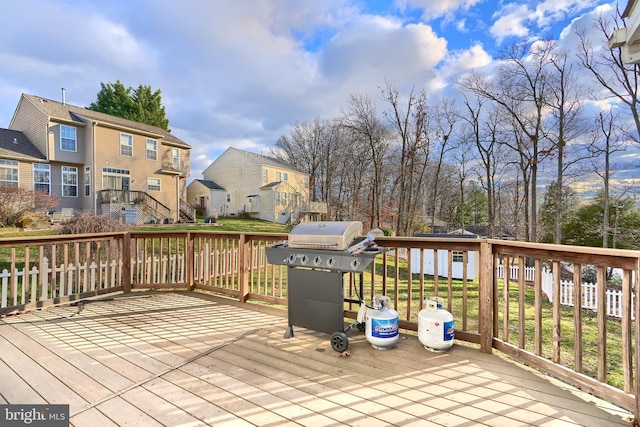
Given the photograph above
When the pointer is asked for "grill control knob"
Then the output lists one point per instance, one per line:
(355, 264)
(317, 260)
(292, 258)
(331, 262)
(304, 259)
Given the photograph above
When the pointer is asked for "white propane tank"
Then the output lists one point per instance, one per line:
(381, 324)
(435, 326)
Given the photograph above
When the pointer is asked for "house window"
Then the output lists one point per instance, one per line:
(8, 173)
(153, 184)
(284, 198)
(175, 158)
(457, 256)
(126, 145)
(69, 181)
(87, 181)
(228, 197)
(277, 197)
(286, 176)
(152, 149)
(68, 138)
(306, 182)
(278, 176)
(265, 175)
(42, 177)
(115, 179)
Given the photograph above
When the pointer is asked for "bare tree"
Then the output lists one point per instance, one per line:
(463, 156)
(409, 123)
(304, 149)
(440, 141)
(362, 122)
(607, 140)
(619, 79)
(520, 90)
(565, 97)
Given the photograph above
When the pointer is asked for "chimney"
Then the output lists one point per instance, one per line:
(63, 93)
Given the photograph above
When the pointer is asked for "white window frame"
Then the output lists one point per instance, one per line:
(87, 181)
(42, 177)
(286, 177)
(278, 176)
(69, 181)
(154, 184)
(126, 145)
(457, 256)
(116, 175)
(152, 153)
(175, 157)
(9, 173)
(265, 175)
(70, 140)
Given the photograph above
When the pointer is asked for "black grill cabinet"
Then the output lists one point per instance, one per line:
(317, 255)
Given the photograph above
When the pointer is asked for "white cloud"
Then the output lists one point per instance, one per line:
(511, 22)
(522, 19)
(474, 57)
(433, 9)
(374, 49)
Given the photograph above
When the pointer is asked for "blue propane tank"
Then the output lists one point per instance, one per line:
(381, 324)
(435, 326)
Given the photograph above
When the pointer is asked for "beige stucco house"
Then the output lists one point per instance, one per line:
(98, 163)
(260, 186)
(628, 38)
(207, 196)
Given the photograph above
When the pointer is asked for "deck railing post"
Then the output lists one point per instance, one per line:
(637, 331)
(126, 262)
(486, 297)
(190, 261)
(243, 276)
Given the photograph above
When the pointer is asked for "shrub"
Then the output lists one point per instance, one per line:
(16, 202)
(84, 223)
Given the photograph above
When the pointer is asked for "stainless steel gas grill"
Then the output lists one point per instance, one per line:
(318, 254)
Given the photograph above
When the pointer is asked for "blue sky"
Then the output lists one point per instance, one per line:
(241, 73)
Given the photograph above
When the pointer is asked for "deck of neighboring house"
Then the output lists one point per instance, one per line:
(178, 359)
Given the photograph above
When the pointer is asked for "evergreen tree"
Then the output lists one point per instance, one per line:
(586, 227)
(547, 213)
(141, 105)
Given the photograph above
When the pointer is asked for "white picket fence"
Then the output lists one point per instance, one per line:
(54, 282)
(613, 303)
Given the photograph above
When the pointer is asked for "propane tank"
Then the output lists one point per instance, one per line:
(381, 324)
(435, 326)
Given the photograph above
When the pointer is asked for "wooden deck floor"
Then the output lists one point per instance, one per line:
(185, 359)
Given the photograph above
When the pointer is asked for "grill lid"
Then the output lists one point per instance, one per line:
(334, 235)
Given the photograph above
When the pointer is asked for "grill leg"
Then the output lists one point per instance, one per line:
(289, 332)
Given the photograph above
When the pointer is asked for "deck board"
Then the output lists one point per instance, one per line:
(187, 359)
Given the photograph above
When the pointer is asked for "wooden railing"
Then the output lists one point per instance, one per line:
(585, 348)
(150, 205)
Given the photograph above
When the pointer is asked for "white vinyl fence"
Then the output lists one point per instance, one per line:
(22, 287)
(589, 293)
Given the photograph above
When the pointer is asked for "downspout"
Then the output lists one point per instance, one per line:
(93, 174)
(177, 198)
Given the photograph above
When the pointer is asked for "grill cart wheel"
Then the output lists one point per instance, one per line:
(339, 341)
